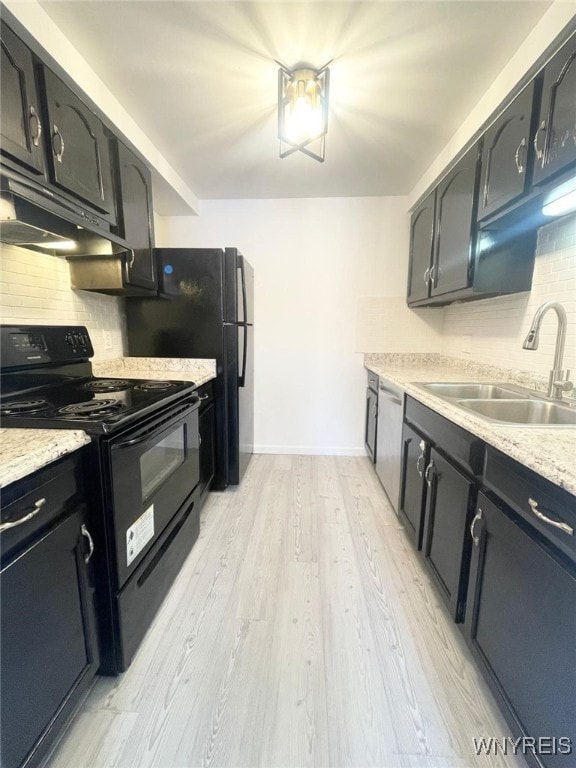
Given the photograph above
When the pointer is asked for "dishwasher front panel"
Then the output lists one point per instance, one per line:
(389, 439)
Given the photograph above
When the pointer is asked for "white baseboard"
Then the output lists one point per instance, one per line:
(306, 450)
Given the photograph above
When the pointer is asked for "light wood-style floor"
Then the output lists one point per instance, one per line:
(301, 631)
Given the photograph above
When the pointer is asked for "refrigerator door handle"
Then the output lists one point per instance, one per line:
(244, 299)
(242, 377)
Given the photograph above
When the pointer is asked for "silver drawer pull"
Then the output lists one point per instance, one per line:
(427, 477)
(476, 518)
(419, 466)
(86, 533)
(562, 526)
(37, 507)
(204, 397)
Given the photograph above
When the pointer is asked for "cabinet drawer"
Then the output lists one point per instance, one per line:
(530, 495)
(463, 448)
(60, 485)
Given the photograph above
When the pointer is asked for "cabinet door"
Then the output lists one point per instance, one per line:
(79, 153)
(445, 545)
(521, 623)
(415, 456)
(555, 141)
(371, 424)
(207, 429)
(20, 126)
(505, 155)
(135, 182)
(47, 636)
(421, 244)
(455, 230)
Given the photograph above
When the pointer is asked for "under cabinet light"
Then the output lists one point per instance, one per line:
(562, 200)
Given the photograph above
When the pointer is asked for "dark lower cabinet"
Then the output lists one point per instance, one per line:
(446, 548)
(415, 458)
(371, 417)
(49, 650)
(521, 625)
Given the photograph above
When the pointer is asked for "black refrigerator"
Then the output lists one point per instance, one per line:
(205, 310)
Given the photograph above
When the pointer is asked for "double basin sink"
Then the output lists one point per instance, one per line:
(505, 404)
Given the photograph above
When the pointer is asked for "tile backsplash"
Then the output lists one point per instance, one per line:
(492, 330)
(35, 289)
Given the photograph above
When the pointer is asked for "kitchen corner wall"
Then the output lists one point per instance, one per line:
(35, 289)
(312, 259)
(492, 330)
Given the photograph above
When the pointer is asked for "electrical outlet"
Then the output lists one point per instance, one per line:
(107, 335)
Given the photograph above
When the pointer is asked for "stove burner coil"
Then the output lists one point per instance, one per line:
(23, 407)
(149, 386)
(91, 409)
(106, 385)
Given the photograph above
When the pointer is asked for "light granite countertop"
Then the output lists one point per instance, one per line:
(548, 451)
(198, 370)
(23, 451)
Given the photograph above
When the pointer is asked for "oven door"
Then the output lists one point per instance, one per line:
(153, 469)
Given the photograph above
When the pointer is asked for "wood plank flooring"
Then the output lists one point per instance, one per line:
(301, 631)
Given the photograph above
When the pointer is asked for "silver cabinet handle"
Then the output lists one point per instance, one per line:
(435, 275)
(519, 148)
(477, 517)
(205, 397)
(130, 261)
(562, 526)
(427, 475)
(539, 152)
(420, 467)
(37, 507)
(35, 126)
(86, 532)
(427, 275)
(199, 439)
(58, 152)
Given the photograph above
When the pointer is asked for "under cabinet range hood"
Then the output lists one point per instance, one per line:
(33, 217)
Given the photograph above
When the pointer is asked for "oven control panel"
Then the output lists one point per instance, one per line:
(30, 345)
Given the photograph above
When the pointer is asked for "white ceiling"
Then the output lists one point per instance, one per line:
(201, 81)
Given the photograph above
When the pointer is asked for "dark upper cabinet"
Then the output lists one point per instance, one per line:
(555, 141)
(21, 124)
(452, 265)
(521, 625)
(421, 245)
(136, 217)
(445, 546)
(79, 154)
(506, 156)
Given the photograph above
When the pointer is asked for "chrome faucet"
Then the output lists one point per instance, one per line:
(559, 382)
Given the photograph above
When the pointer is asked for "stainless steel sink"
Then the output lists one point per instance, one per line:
(522, 412)
(476, 391)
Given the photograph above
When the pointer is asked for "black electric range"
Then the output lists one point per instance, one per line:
(142, 469)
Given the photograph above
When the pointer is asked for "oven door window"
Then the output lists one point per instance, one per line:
(162, 460)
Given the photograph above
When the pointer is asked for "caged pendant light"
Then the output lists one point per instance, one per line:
(303, 110)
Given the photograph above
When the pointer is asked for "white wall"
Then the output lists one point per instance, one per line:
(35, 289)
(313, 260)
(540, 38)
